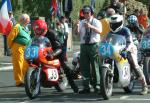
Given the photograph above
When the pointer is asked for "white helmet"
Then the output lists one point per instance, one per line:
(116, 23)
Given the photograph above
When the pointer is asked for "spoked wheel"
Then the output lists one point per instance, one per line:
(146, 69)
(32, 83)
(63, 82)
(106, 83)
(130, 87)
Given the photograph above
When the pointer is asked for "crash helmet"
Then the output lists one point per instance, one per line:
(116, 23)
(40, 27)
(132, 19)
(101, 15)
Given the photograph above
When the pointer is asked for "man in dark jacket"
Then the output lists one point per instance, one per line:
(57, 47)
(118, 7)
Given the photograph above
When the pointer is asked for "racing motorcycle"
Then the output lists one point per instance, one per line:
(42, 72)
(115, 69)
(144, 48)
(76, 65)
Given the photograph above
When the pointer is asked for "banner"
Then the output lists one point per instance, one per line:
(53, 8)
(5, 23)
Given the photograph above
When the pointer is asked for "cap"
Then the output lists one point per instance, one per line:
(86, 9)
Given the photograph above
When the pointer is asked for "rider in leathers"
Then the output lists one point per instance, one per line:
(57, 47)
(116, 27)
(135, 27)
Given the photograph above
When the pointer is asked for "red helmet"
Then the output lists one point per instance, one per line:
(40, 27)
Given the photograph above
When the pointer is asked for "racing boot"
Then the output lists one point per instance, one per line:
(68, 73)
(144, 86)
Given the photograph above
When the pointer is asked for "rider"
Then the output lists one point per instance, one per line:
(42, 34)
(57, 47)
(40, 29)
(134, 26)
(116, 27)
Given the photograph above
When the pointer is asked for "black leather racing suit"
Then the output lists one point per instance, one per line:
(57, 48)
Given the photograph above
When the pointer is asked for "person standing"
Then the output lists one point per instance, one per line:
(17, 40)
(118, 7)
(89, 30)
(65, 30)
(102, 16)
(142, 18)
(7, 51)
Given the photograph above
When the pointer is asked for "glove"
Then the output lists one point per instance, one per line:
(136, 25)
(50, 56)
(124, 54)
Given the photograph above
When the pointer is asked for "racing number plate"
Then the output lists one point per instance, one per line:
(145, 43)
(53, 75)
(106, 50)
(31, 52)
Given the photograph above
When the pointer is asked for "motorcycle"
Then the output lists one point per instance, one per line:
(42, 72)
(115, 69)
(144, 48)
(76, 65)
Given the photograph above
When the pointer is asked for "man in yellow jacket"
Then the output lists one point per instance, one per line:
(103, 16)
(18, 39)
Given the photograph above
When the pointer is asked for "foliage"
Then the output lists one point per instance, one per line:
(41, 7)
(78, 4)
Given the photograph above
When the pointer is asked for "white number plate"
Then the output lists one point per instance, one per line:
(53, 75)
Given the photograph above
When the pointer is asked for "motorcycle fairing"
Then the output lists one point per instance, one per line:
(124, 72)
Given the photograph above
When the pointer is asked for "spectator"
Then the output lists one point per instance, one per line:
(60, 34)
(18, 39)
(118, 7)
(7, 51)
(143, 19)
(65, 31)
(89, 30)
(102, 16)
(110, 12)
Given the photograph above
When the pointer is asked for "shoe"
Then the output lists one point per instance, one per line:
(84, 91)
(97, 90)
(144, 91)
(20, 85)
(75, 89)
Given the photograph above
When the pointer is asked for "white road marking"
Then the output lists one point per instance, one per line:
(6, 68)
(123, 97)
(131, 99)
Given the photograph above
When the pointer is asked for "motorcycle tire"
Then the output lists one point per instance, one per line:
(32, 85)
(146, 69)
(62, 84)
(106, 84)
(130, 87)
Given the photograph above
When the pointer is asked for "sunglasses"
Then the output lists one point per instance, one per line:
(86, 13)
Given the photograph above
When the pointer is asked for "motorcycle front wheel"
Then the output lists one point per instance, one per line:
(32, 83)
(62, 83)
(106, 84)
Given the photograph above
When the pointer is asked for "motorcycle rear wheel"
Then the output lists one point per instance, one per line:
(62, 84)
(130, 87)
(32, 85)
(106, 84)
(146, 69)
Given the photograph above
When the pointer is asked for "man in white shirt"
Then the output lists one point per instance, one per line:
(89, 30)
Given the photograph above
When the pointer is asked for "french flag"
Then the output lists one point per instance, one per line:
(5, 22)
